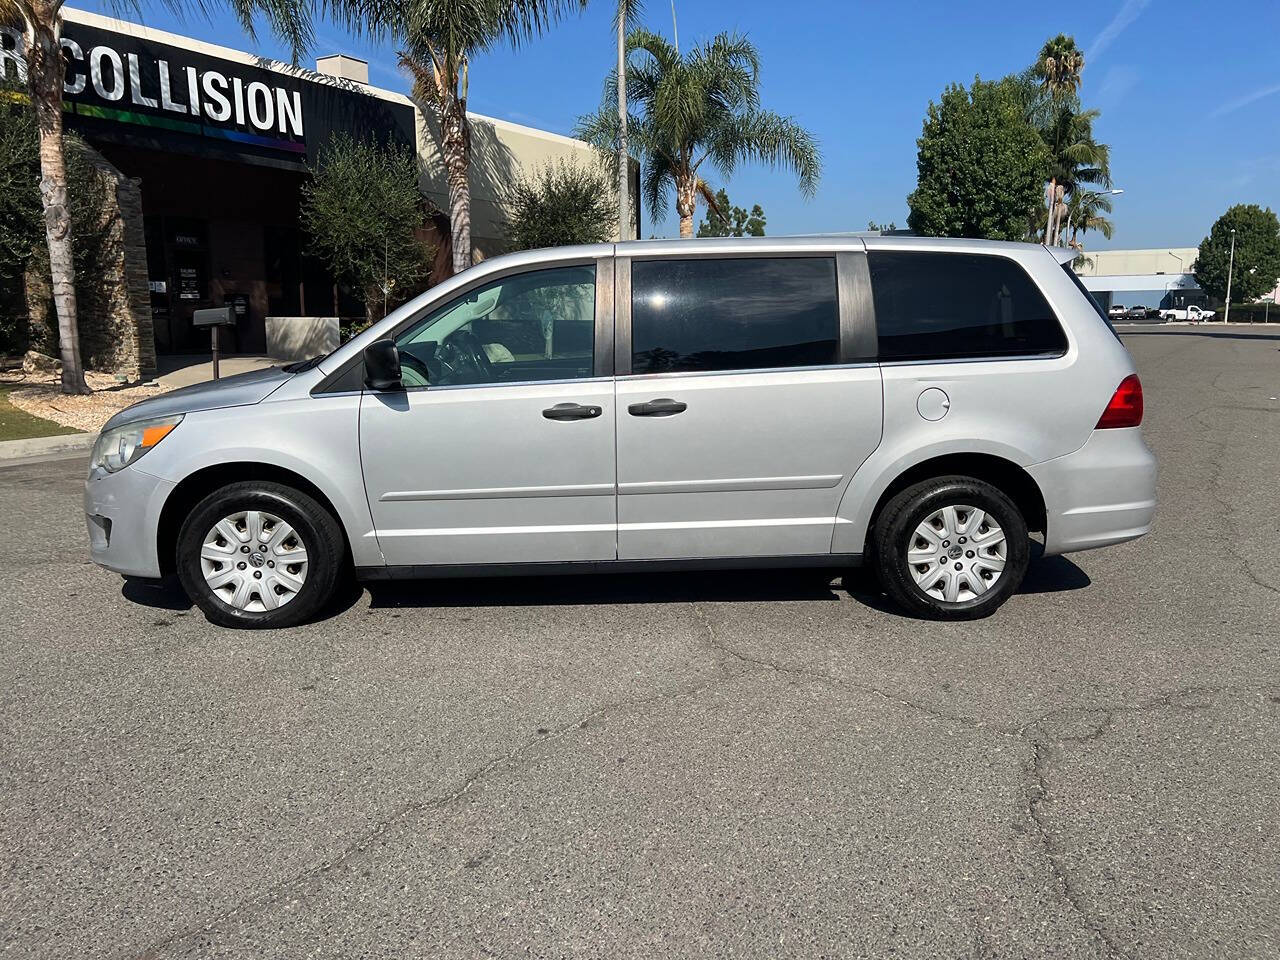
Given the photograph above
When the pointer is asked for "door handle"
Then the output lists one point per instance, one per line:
(571, 411)
(664, 407)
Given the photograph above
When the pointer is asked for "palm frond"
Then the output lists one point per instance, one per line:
(629, 12)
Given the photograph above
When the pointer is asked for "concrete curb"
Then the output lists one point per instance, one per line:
(45, 446)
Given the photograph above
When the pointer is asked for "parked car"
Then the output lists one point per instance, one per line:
(916, 405)
(1193, 313)
(1135, 313)
(1116, 311)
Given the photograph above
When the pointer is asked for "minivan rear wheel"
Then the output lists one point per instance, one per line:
(950, 548)
(259, 554)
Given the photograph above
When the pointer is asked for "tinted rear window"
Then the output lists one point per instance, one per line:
(1097, 307)
(754, 313)
(942, 306)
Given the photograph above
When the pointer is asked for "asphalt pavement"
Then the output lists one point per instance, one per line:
(740, 765)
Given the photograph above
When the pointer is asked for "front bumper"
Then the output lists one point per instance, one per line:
(1104, 493)
(122, 512)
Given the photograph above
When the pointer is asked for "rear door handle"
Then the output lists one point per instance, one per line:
(572, 411)
(663, 407)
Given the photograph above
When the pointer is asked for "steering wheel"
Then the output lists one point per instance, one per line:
(462, 354)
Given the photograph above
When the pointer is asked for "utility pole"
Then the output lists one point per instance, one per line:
(1226, 313)
(624, 166)
(675, 27)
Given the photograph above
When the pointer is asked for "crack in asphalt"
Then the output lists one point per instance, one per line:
(1035, 734)
(1226, 507)
(1037, 791)
(258, 903)
(817, 675)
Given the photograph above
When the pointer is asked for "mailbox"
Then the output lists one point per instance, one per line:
(214, 317)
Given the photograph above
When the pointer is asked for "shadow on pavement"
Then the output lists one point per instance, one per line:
(1051, 575)
(717, 587)
(1211, 334)
(1045, 575)
(166, 594)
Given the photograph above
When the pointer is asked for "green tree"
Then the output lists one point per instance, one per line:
(438, 41)
(1257, 259)
(882, 227)
(43, 68)
(725, 220)
(980, 165)
(560, 205)
(702, 107)
(20, 212)
(360, 211)
(22, 218)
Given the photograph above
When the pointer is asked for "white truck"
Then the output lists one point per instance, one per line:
(1193, 313)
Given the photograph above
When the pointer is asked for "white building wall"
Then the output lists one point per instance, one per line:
(1169, 260)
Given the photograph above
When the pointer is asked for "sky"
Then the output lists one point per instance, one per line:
(1189, 92)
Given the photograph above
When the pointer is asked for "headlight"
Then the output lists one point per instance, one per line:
(118, 448)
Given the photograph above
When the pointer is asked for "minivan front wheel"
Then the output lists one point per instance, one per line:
(951, 548)
(259, 554)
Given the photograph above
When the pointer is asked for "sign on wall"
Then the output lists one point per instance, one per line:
(124, 87)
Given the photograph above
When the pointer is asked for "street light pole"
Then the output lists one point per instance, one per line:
(1231, 263)
(624, 160)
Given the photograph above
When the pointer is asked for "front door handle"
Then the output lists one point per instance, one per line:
(571, 411)
(657, 408)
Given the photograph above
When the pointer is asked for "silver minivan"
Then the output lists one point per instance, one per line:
(922, 406)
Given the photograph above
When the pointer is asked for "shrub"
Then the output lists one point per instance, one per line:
(562, 204)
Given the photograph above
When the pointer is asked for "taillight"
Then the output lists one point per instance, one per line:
(1125, 408)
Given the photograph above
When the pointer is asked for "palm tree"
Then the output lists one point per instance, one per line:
(41, 22)
(698, 108)
(1076, 159)
(1060, 65)
(1059, 68)
(439, 38)
(1085, 212)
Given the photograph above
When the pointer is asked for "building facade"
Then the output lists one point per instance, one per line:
(210, 147)
(1159, 277)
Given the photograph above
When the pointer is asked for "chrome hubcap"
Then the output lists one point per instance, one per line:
(957, 553)
(253, 561)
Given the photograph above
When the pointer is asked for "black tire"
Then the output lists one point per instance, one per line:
(894, 529)
(316, 526)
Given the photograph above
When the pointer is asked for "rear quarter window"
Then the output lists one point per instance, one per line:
(949, 306)
(1097, 307)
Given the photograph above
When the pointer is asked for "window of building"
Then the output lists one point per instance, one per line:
(709, 314)
(531, 326)
(939, 306)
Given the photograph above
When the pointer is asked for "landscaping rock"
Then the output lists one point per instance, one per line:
(37, 364)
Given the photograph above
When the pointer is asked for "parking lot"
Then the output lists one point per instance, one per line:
(747, 764)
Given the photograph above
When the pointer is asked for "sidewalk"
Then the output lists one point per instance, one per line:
(183, 371)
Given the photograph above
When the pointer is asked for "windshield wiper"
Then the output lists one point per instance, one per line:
(301, 366)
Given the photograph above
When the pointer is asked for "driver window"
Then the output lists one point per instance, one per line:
(531, 326)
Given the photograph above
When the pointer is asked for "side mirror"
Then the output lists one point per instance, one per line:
(382, 366)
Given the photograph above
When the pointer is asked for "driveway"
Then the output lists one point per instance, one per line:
(747, 765)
